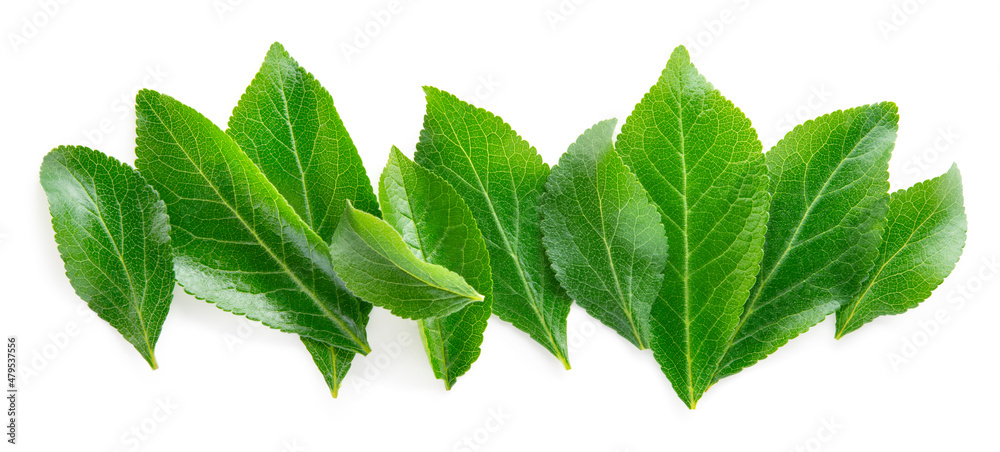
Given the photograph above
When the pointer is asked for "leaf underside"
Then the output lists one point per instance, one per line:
(113, 235)
(829, 184)
(237, 242)
(923, 237)
(438, 228)
(379, 267)
(287, 124)
(501, 178)
(702, 164)
(603, 235)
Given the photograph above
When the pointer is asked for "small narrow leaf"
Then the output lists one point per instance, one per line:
(501, 178)
(923, 238)
(829, 179)
(113, 235)
(603, 234)
(702, 164)
(287, 124)
(378, 266)
(438, 227)
(237, 242)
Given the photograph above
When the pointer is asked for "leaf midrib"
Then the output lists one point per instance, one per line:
(625, 303)
(295, 147)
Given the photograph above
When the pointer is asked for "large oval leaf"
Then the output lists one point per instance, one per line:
(287, 124)
(501, 178)
(113, 235)
(237, 242)
(923, 238)
(829, 184)
(603, 234)
(701, 162)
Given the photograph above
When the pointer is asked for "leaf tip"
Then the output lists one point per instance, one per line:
(680, 53)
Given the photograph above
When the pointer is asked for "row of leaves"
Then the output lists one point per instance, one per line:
(680, 234)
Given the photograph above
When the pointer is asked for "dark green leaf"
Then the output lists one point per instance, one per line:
(237, 242)
(701, 162)
(603, 235)
(501, 178)
(438, 227)
(113, 235)
(288, 126)
(379, 267)
(829, 179)
(331, 361)
(923, 238)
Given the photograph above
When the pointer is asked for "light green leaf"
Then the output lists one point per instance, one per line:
(438, 228)
(603, 234)
(237, 242)
(378, 266)
(923, 238)
(287, 124)
(701, 162)
(501, 178)
(113, 235)
(829, 183)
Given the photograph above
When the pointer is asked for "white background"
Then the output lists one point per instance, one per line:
(550, 73)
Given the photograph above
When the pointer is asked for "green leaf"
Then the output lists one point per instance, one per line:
(378, 266)
(438, 228)
(702, 164)
(829, 184)
(923, 238)
(237, 242)
(113, 235)
(603, 235)
(501, 178)
(332, 362)
(287, 124)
